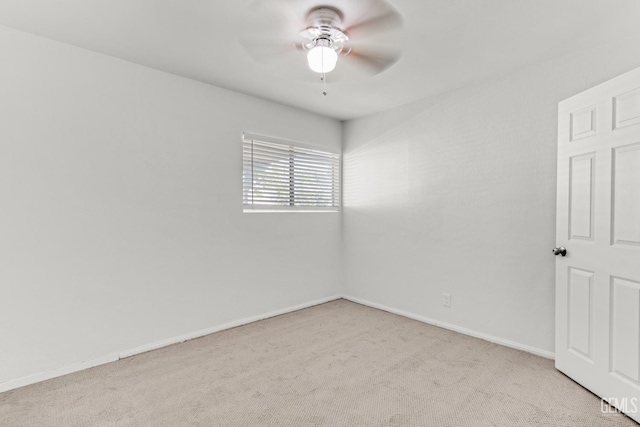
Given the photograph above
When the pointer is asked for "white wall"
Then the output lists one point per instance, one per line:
(456, 194)
(121, 217)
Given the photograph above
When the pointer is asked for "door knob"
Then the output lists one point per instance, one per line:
(560, 251)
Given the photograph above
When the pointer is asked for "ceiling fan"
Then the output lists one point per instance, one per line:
(352, 30)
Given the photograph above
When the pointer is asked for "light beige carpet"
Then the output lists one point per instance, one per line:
(337, 364)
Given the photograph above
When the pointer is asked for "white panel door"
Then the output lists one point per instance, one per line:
(598, 222)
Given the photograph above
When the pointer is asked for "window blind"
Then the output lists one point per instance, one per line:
(284, 176)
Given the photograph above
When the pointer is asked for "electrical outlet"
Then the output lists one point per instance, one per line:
(446, 300)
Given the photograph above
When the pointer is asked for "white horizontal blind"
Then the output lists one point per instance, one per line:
(278, 176)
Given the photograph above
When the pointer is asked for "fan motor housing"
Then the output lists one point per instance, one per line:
(324, 29)
(324, 16)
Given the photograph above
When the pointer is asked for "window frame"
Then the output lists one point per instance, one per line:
(293, 145)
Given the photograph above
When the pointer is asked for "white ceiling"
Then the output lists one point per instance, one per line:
(445, 43)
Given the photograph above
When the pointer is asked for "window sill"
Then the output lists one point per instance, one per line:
(291, 210)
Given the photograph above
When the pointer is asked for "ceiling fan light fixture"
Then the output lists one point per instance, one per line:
(322, 59)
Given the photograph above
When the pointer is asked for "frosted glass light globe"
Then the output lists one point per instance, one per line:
(322, 59)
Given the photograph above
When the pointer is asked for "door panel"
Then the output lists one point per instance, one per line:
(580, 312)
(625, 329)
(626, 195)
(626, 108)
(583, 122)
(582, 190)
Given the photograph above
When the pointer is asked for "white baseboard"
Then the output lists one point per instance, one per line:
(75, 367)
(229, 325)
(43, 376)
(507, 343)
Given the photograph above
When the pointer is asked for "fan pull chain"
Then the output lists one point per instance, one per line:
(323, 77)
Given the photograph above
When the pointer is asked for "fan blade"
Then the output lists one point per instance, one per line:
(272, 29)
(388, 20)
(373, 61)
(276, 13)
(265, 50)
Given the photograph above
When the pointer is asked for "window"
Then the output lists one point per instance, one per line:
(278, 175)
